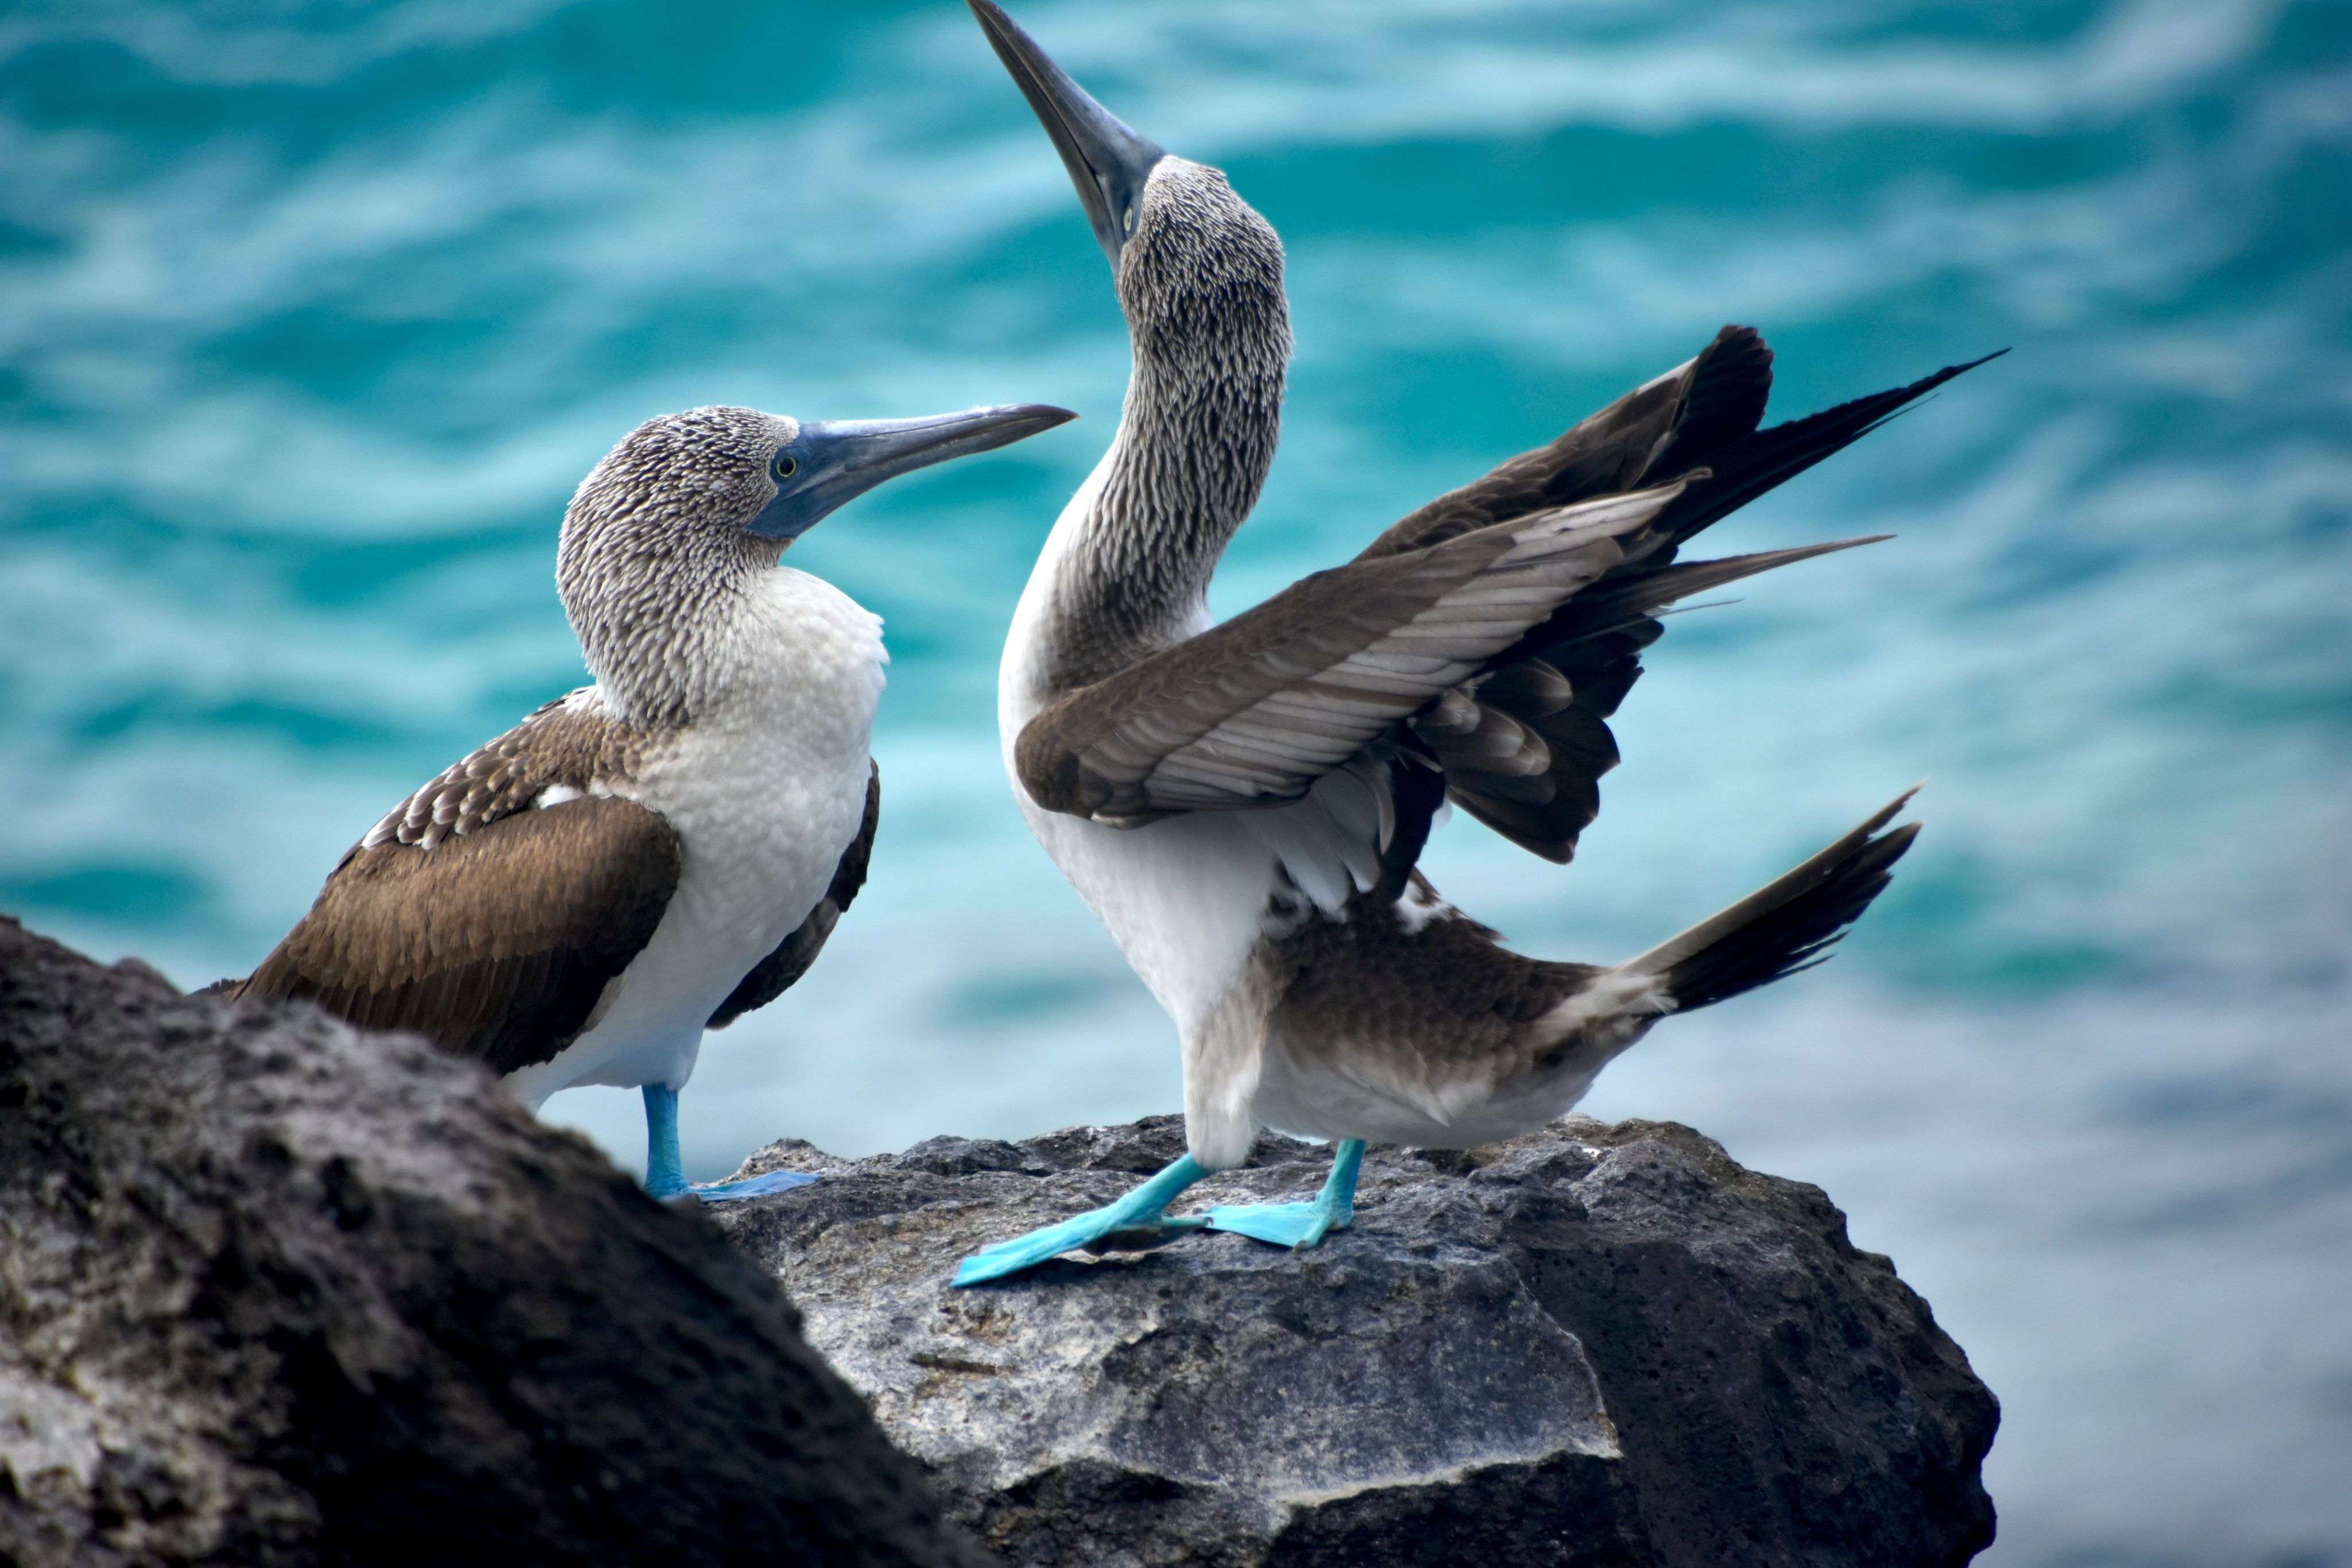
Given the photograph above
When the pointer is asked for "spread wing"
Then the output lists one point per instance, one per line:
(1666, 425)
(1350, 680)
(780, 970)
(491, 910)
(1253, 712)
(1563, 681)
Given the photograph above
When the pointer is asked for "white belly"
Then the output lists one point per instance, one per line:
(1185, 899)
(766, 793)
(1190, 899)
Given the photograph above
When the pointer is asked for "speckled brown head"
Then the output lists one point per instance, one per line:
(666, 532)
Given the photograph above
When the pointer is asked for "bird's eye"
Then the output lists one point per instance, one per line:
(786, 466)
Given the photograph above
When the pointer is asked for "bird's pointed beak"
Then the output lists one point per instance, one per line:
(1107, 162)
(835, 461)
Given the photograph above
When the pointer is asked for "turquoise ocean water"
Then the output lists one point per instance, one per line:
(313, 315)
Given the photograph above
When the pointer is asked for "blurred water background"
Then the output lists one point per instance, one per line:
(311, 315)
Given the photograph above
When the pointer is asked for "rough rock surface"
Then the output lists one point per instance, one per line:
(1597, 1344)
(274, 1293)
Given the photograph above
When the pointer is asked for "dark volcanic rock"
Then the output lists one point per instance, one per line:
(274, 1292)
(1593, 1345)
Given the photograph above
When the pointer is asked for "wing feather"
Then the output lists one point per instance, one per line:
(1472, 652)
(497, 943)
(1705, 412)
(491, 909)
(1253, 712)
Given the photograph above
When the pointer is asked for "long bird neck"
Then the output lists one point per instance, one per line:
(1203, 416)
(664, 647)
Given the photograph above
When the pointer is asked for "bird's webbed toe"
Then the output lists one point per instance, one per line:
(1300, 1225)
(1278, 1224)
(1295, 1225)
(1136, 1222)
(752, 1187)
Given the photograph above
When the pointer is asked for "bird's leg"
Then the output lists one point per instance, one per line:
(1301, 1224)
(666, 1174)
(1143, 1210)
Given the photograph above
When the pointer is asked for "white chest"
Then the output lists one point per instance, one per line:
(1185, 899)
(766, 791)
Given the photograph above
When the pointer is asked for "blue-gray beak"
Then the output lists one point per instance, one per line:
(1107, 162)
(835, 461)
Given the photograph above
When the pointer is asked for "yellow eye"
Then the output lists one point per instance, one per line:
(785, 466)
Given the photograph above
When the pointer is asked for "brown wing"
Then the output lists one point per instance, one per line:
(1562, 680)
(781, 969)
(571, 743)
(497, 943)
(1253, 712)
(1667, 424)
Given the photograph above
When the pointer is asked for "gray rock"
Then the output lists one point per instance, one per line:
(1598, 1344)
(272, 1291)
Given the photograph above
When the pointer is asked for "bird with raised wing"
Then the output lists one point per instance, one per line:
(1243, 804)
(668, 849)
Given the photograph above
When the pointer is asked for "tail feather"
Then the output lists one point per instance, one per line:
(1785, 926)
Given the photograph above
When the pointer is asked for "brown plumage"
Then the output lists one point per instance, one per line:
(1410, 996)
(1703, 415)
(497, 943)
(1257, 708)
(1512, 705)
(1433, 997)
(493, 928)
(1665, 426)
(567, 744)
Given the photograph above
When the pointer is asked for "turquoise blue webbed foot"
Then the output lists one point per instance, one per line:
(751, 1186)
(666, 1175)
(1299, 1225)
(1138, 1220)
(1282, 1224)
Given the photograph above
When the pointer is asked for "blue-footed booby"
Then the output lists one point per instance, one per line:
(1243, 804)
(669, 848)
